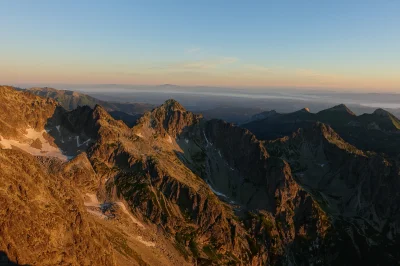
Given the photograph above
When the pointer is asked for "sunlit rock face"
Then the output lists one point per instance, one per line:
(184, 190)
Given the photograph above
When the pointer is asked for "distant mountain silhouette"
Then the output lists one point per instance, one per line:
(379, 131)
(70, 100)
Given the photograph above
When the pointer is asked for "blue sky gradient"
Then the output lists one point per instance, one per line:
(319, 44)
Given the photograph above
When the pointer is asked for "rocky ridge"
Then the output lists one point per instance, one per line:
(70, 100)
(369, 132)
(207, 192)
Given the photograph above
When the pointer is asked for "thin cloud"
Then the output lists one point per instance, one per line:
(114, 73)
(311, 73)
(208, 64)
(197, 65)
(192, 50)
(258, 68)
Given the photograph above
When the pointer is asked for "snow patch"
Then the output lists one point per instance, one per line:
(205, 137)
(97, 213)
(25, 145)
(85, 142)
(92, 201)
(123, 208)
(230, 167)
(221, 194)
(146, 243)
(78, 144)
(169, 139)
(216, 192)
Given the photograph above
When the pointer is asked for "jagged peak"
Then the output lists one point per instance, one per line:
(170, 117)
(320, 130)
(303, 110)
(53, 90)
(268, 113)
(47, 89)
(382, 112)
(7, 88)
(72, 93)
(83, 108)
(339, 108)
(316, 131)
(99, 111)
(173, 105)
(387, 116)
(7, 91)
(263, 115)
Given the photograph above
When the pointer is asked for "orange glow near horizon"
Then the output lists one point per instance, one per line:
(298, 78)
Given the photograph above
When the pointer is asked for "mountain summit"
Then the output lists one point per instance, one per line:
(370, 132)
(177, 189)
(174, 171)
(171, 117)
(70, 100)
(339, 108)
(171, 106)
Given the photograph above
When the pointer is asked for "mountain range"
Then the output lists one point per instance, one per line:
(70, 100)
(378, 132)
(79, 187)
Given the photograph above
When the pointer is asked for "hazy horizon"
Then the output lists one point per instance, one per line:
(208, 97)
(260, 89)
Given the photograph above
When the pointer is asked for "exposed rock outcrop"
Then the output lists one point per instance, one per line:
(211, 189)
(41, 220)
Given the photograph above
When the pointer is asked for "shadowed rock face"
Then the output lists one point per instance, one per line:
(4, 260)
(170, 181)
(216, 192)
(41, 127)
(338, 109)
(379, 131)
(70, 100)
(358, 189)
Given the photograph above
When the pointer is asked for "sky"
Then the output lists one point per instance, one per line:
(345, 45)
